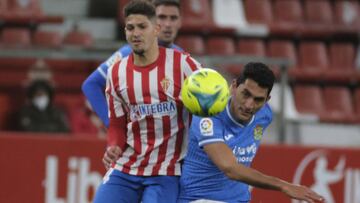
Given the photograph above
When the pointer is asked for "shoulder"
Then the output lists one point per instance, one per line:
(176, 47)
(265, 113)
(125, 50)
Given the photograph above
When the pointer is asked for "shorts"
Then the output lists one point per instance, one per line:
(118, 187)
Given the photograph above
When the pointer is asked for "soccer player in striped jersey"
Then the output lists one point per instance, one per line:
(168, 16)
(221, 148)
(148, 122)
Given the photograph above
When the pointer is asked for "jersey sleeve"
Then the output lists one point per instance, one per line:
(207, 130)
(117, 117)
(190, 65)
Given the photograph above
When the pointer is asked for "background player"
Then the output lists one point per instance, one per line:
(148, 122)
(169, 19)
(221, 148)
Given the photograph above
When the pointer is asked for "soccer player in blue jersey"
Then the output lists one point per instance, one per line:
(221, 148)
(169, 19)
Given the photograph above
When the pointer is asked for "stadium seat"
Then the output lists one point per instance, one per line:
(357, 103)
(4, 110)
(70, 66)
(338, 105)
(290, 111)
(313, 62)
(318, 19)
(197, 18)
(220, 46)
(288, 18)
(193, 44)
(3, 8)
(78, 38)
(16, 37)
(27, 12)
(251, 47)
(282, 49)
(308, 99)
(229, 13)
(342, 58)
(347, 17)
(47, 39)
(258, 11)
(69, 101)
(16, 63)
(120, 14)
(27, 8)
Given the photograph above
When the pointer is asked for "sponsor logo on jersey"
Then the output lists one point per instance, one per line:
(258, 132)
(228, 136)
(206, 127)
(138, 111)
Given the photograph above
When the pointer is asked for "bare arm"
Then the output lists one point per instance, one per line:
(223, 158)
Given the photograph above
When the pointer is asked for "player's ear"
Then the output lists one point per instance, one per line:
(268, 98)
(157, 28)
(233, 87)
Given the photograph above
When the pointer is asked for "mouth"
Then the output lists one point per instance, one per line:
(245, 113)
(167, 33)
(136, 42)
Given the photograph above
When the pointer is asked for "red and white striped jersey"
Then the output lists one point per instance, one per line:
(157, 121)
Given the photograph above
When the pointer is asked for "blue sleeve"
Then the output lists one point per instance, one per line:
(94, 90)
(94, 86)
(207, 130)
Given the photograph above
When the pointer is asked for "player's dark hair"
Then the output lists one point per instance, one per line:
(141, 7)
(39, 85)
(258, 72)
(166, 3)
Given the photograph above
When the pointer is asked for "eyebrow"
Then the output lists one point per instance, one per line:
(255, 97)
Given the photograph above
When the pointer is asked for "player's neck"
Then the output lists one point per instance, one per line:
(148, 57)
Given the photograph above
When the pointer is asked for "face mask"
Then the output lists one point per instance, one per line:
(41, 102)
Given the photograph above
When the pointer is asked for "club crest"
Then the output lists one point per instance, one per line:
(258, 132)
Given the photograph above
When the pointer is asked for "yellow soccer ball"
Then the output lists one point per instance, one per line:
(205, 92)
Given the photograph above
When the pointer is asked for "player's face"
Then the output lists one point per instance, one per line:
(141, 33)
(247, 99)
(168, 17)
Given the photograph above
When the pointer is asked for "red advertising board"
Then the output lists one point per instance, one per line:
(332, 172)
(63, 169)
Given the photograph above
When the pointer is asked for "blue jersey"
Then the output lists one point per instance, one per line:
(94, 86)
(201, 178)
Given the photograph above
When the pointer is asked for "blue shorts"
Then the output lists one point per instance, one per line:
(118, 187)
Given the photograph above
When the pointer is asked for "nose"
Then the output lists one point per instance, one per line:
(249, 103)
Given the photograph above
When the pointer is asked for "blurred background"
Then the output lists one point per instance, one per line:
(312, 46)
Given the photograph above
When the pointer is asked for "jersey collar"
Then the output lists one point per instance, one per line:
(232, 119)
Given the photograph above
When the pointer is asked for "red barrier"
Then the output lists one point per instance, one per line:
(63, 169)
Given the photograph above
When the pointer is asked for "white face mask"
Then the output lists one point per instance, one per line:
(41, 102)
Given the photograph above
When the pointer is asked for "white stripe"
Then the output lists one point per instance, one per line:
(142, 121)
(169, 72)
(102, 73)
(207, 141)
(158, 128)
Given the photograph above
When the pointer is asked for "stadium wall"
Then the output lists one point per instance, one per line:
(39, 168)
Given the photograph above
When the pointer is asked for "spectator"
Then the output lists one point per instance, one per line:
(39, 114)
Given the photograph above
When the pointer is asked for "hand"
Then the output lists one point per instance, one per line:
(111, 155)
(300, 192)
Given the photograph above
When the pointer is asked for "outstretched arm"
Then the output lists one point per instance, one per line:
(223, 158)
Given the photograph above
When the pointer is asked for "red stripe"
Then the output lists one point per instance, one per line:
(165, 119)
(179, 107)
(135, 125)
(191, 63)
(112, 137)
(150, 135)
